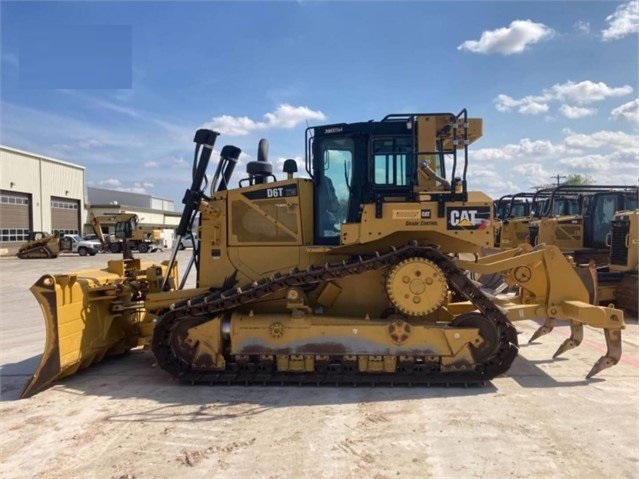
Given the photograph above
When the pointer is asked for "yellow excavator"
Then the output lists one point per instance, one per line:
(351, 275)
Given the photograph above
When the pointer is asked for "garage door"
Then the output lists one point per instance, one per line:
(65, 215)
(15, 222)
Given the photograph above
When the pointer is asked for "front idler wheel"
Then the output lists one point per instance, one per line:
(488, 331)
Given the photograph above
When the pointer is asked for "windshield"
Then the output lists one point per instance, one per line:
(334, 185)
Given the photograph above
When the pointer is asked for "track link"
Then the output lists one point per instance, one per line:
(200, 309)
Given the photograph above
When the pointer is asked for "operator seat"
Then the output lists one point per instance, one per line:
(328, 205)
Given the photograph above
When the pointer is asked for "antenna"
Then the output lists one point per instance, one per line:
(559, 178)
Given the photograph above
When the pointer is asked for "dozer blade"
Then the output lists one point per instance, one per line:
(83, 325)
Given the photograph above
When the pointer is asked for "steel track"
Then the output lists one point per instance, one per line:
(202, 308)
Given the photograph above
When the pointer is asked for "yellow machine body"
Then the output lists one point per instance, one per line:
(286, 292)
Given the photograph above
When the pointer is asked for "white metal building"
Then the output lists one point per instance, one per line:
(38, 193)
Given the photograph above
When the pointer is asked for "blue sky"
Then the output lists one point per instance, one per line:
(121, 87)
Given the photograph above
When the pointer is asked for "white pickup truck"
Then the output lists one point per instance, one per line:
(77, 244)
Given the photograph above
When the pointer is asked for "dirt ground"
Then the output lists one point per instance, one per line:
(125, 418)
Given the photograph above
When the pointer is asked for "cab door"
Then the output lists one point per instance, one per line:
(334, 159)
(601, 208)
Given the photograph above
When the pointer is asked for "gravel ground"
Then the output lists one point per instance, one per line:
(125, 418)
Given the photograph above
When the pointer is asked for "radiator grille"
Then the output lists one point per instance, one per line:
(618, 250)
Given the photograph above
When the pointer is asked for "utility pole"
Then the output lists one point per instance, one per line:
(559, 178)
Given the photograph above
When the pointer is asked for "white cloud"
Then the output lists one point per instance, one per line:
(140, 187)
(582, 27)
(609, 157)
(180, 163)
(587, 162)
(110, 182)
(624, 21)
(628, 111)
(587, 92)
(534, 174)
(525, 148)
(509, 40)
(533, 108)
(610, 140)
(574, 112)
(151, 164)
(530, 105)
(581, 93)
(285, 116)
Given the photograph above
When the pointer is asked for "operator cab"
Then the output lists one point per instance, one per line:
(394, 159)
(599, 209)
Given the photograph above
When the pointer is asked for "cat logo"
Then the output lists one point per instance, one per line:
(468, 218)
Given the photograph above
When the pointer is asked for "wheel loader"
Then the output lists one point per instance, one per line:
(357, 272)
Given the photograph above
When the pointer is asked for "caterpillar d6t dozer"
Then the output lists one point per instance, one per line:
(350, 275)
(582, 233)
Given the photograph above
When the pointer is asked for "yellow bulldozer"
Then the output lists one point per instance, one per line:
(515, 213)
(582, 231)
(351, 275)
(601, 232)
(619, 280)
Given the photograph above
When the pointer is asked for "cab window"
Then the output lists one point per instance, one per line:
(391, 161)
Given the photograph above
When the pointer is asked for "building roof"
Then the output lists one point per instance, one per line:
(41, 157)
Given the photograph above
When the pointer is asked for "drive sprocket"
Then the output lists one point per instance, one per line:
(416, 286)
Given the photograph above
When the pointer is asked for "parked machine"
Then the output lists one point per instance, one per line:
(582, 231)
(515, 212)
(40, 245)
(617, 279)
(44, 245)
(351, 275)
(513, 206)
(512, 214)
(142, 239)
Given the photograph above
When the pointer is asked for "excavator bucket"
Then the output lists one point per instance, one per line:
(88, 316)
